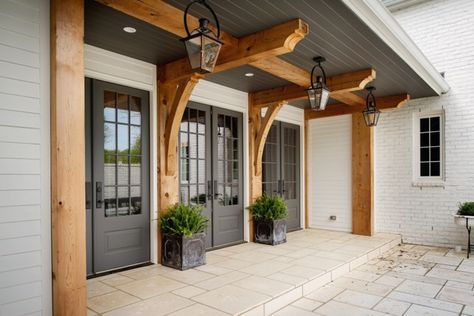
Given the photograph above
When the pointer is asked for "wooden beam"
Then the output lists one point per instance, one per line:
(67, 158)
(362, 177)
(340, 85)
(283, 69)
(162, 15)
(383, 103)
(277, 40)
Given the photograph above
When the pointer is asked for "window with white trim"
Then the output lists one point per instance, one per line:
(429, 146)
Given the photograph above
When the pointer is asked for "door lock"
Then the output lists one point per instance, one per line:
(98, 195)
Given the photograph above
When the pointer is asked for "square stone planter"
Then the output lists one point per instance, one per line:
(269, 232)
(182, 252)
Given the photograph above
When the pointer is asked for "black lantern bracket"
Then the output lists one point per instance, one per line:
(318, 60)
(318, 92)
(203, 22)
(371, 113)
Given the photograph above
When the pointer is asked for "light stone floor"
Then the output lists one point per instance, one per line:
(316, 272)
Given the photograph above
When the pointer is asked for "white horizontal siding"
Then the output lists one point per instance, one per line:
(330, 172)
(25, 269)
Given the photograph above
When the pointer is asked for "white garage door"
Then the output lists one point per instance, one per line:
(330, 172)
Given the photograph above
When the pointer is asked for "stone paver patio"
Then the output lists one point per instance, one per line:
(316, 273)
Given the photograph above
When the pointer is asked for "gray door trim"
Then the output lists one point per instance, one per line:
(139, 222)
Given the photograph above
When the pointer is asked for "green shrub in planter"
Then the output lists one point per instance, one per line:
(466, 209)
(183, 238)
(269, 214)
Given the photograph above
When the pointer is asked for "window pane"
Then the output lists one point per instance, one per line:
(122, 170)
(202, 194)
(135, 140)
(202, 122)
(184, 196)
(184, 121)
(110, 201)
(435, 139)
(183, 144)
(193, 149)
(135, 109)
(109, 106)
(184, 171)
(136, 199)
(123, 201)
(434, 124)
(424, 140)
(109, 138)
(193, 119)
(122, 139)
(425, 169)
(122, 108)
(109, 170)
(193, 194)
(435, 154)
(424, 154)
(135, 170)
(424, 125)
(435, 169)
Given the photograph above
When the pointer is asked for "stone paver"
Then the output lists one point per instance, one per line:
(316, 273)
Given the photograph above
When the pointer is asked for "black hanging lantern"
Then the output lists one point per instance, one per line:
(371, 113)
(318, 93)
(202, 44)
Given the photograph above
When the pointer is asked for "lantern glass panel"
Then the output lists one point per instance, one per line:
(193, 48)
(210, 52)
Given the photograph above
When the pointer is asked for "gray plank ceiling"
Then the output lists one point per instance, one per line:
(335, 32)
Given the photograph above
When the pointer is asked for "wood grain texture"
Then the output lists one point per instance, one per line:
(383, 103)
(67, 158)
(362, 177)
(277, 40)
(340, 85)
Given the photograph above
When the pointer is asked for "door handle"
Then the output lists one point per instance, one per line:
(98, 195)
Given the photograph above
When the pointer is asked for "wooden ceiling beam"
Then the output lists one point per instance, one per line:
(162, 15)
(277, 40)
(383, 104)
(340, 85)
(285, 70)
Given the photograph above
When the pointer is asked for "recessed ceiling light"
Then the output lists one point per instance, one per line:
(130, 29)
(249, 74)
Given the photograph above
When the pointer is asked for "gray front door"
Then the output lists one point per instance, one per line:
(211, 170)
(281, 168)
(119, 183)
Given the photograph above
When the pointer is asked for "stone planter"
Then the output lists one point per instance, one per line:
(466, 221)
(270, 232)
(182, 252)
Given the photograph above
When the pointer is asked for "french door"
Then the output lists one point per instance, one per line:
(281, 168)
(117, 176)
(210, 148)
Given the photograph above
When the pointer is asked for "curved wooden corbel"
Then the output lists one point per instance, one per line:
(262, 133)
(176, 97)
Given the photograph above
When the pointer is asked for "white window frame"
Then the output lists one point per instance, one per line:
(429, 180)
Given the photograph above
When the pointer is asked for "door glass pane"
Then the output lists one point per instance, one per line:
(123, 200)
(136, 200)
(109, 169)
(109, 106)
(122, 170)
(135, 170)
(135, 140)
(135, 110)
(193, 146)
(109, 138)
(110, 198)
(193, 119)
(193, 194)
(122, 139)
(202, 122)
(122, 108)
(184, 195)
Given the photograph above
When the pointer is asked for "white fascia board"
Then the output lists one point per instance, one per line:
(381, 21)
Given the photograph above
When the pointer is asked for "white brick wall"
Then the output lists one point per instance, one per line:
(444, 31)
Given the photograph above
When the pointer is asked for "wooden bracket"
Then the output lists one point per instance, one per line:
(174, 99)
(261, 133)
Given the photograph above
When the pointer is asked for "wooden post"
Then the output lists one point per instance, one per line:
(68, 158)
(258, 131)
(173, 98)
(362, 177)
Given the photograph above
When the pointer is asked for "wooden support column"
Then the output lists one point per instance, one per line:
(68, 158)
(362, 177)
(258, 131)
(172, 101)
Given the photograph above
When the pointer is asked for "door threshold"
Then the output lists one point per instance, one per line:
(227, 245)
(121, 269)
